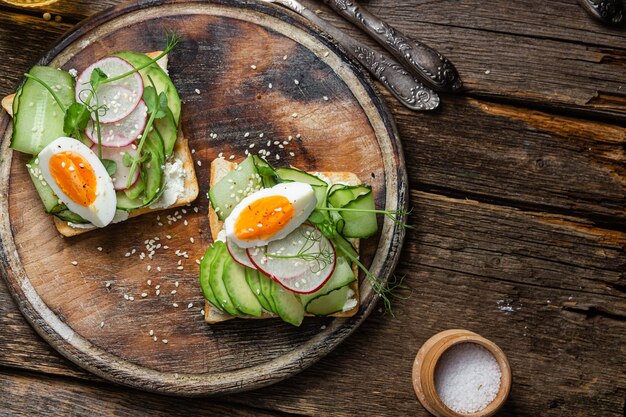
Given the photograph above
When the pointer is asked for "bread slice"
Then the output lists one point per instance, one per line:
(181, 151)
(219, 168)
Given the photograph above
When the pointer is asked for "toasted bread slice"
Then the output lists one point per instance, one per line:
(181, 151)
(219, 168)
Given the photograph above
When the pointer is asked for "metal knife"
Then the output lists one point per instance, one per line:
(607, 11)
(403, 85)
(422, 60)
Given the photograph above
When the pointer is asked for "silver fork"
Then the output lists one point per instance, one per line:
(403, 85)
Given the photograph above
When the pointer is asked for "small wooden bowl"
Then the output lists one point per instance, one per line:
(426, 363)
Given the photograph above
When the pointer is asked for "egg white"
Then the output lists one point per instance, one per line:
(299, 194)
(101, 211)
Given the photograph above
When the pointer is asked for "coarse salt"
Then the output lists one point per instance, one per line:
(467, 378)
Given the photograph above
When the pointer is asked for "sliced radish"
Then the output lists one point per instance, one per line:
(120, 178)
(239, 254)
(123, 132)
(121, 96)
(307, 260)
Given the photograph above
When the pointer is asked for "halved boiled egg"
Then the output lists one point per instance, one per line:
(269, 214)
(79, 179)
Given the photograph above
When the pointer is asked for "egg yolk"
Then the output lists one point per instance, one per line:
(263, 218)
(74, 176)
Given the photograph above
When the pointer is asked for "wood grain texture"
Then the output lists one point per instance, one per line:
(97, 306)
(522, 262)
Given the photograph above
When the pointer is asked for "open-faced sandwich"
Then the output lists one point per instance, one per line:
(106, 143)
(286, 242)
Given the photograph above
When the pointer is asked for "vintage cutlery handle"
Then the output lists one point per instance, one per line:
(607, 11)
(403, 85)
(425, 62)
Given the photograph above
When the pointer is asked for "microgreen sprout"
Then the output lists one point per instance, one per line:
(316, 259)
(395, 215)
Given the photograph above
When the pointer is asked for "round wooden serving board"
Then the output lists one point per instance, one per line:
(338, 123)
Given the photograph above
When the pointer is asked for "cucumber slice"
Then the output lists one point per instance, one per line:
(292, 174)
(205, 272)
(344, 247)
(288, 307)
(266, 289)
(125, 203)
(37, 118)
(216, 282)
(136, 189)
(356, 224)
(161, 80)
(153, 169)
(242, 297)
(342, 276)
(225, 194)
(330, 303)
(50, 200)
(70, 216)
(165, 127)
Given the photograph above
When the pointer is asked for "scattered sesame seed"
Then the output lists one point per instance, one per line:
(164, 341)
(127, 254)
(245, 135)
(101, 324)
(154, 338)
(325, 98)
(193, 151)
(159, 268)
(175, 305)
(173, 292)
(294, 115)
(198, 261)
(197, 91)
(186, 223)
(253, 66)
(296, 82)
(189, 305)
(488, 72)
(126, 296)
(326, 53)
(149, 282)
(270, 85)
(285, 58)
(149, 267)
(74, 263)
(158, 292)
(231, 157)
(158, 286)
(108, 285)
(202, 312)
(176, 284)
(151, 333)
(323, 327)
(99, 248)
(144, 294)
(180, 268)
(199, 163)
(292, 154)
(131, 298)
(192, 240)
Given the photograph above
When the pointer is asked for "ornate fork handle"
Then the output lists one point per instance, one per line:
(607, 11)
(425, 62)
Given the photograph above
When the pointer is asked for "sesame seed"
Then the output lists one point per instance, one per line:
(154, 338)
(74, 263)
(202, 312)
(245, 135)
(101, 324)
(99, 248)
(149, 282)
(326, 54)
(197, 91)
(292, 154)
(193, 151)
(131, 298)
(296, 82)
(192, 240)
(159, 268)
(173, 292)
(253, 66)
(127, 254)
(176, 284)
(164, 341)
(144, 294)
(185, 222)
(158, 292)
(270, 85)
(175, 305)
(325, 98)
(180, 268)
(199, 163)
(285, 58)
(126, 296)
(151, 333)
(168, 236)
(294, 115)
(231, 157)
(198, 261)
(158, 286)
(149, 267)
(108, 285)
(189, 305)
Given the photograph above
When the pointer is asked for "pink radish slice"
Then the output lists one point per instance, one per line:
(120, 178)
(302, 276)
(239, 254)
(121, 96)
(123, 132)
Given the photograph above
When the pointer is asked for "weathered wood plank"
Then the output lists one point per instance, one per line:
(26, 394)
(484, 268)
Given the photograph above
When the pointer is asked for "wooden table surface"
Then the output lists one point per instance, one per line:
(518, 190)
